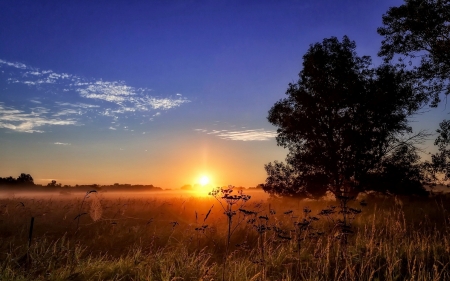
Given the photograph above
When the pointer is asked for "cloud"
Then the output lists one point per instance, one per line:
(62, 143)
(116, 92)
(243, 135)
(80, 105)
(107, 88)
(67, 112)
(13, 64)
(164, 103)
(94, 97)
(20, 121)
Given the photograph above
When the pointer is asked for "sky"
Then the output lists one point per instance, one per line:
(160, 92)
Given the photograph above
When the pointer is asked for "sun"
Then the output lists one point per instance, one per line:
(204, 180)
(203, 185)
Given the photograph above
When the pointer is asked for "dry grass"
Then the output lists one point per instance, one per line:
(130, 238)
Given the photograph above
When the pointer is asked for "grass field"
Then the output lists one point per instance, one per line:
(145, 237)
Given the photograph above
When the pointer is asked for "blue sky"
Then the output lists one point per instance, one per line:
(158, 92)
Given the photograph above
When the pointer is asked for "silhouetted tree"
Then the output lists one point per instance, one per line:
(259, 186)
(420, 29)
(54, 184)
(186, 187)
(440, 161)
(340, 121)
(8, 181)
(286, 180)
(25, 179)
(401, 172)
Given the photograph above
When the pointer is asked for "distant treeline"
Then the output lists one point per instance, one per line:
(22, 180)
(26, 182)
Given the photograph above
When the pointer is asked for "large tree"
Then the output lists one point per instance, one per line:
(418, 32)
(340, 122)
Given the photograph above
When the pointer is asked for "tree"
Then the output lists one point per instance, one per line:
(401, 172)
(420, 29)
(440, 161)
(25, 179)
(186, 187)
(285, 180)
(8, 181)
(340, 121)
(54, 184)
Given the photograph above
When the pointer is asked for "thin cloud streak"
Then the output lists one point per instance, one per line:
(20, 121)
(14, 64)
(80, 105)
(67, 112)
(62, 143)
(244, 135)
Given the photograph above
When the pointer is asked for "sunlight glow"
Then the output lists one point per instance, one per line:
(204, 180)
(203, 186)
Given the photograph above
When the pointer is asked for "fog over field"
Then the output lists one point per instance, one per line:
(162, 194)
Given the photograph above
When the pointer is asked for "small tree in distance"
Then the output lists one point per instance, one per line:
(342, 122)
(25, 179)
(54, 184)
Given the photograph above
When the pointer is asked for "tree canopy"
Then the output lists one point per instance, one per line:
(420, 30)
(340, 122)
(23, 179)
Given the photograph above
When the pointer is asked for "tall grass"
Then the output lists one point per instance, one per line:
(135, 239)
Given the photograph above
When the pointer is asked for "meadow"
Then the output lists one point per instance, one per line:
(105, 236)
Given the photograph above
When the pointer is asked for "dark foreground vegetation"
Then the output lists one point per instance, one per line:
(101, 237)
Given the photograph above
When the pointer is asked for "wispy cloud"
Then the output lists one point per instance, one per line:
(96, 97)
(241, 135)
(67, 112)
(81, 105)
(20, 121)
(163, 103)
(62, 143)
(14, 64)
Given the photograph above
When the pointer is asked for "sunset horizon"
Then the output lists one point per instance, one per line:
(163, 98)
(206, 140)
